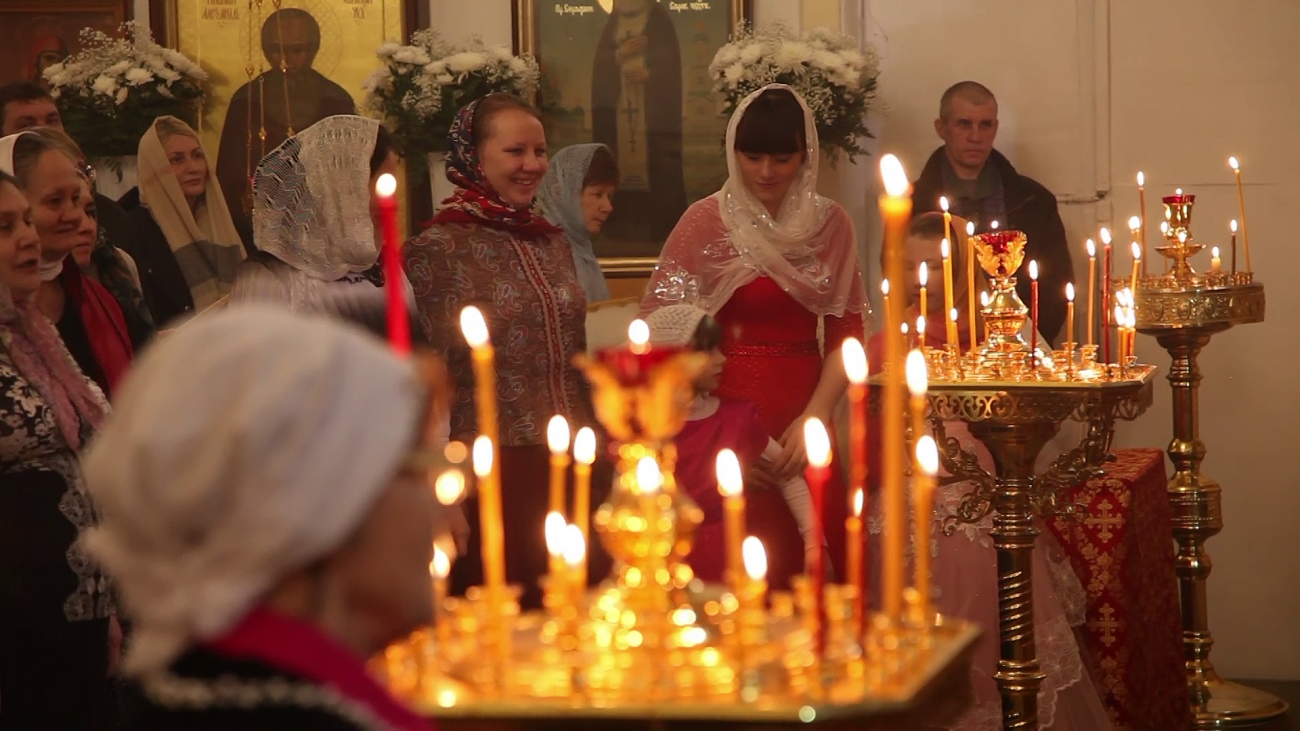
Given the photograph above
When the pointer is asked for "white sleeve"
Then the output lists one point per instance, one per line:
(796, 494)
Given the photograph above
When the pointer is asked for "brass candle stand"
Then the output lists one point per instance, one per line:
(1014, 401)
(655, 645)
(1183, 309)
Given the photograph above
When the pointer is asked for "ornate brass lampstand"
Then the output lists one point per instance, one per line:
(1183, 310)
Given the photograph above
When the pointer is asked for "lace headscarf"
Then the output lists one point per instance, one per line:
(475, 200)
(205, 242)
(311, 199)
(561, 201)
(730, 239)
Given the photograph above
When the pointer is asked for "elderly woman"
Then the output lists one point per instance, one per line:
(577, 194)
(55, 606)
(259, 585)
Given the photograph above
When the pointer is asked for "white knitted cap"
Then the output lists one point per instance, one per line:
(675, 325)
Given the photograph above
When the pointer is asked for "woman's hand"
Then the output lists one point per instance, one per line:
(794, 456)
(762, 476)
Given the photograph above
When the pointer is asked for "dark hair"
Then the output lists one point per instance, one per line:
(384, 144)
(271, 34)
(603, 169)
(21, 91)
(773, 124)
(927, 226)
(708, 335)
(972, 91)
(492, 105)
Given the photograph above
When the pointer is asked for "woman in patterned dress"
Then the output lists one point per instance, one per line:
(772, 261)
(55, 605)
(490, 247)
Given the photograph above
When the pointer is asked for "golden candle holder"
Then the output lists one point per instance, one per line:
(654, 645)
(1183, 309)
(1014, 399)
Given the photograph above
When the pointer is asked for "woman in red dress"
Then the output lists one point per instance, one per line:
(772, 261)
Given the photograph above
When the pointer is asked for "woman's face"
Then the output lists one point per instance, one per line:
(20, 247)
(389, 166)
(925, 250)
(597, 202)
(514, 156)
(709, 380)
(189, 164)
(54, 190)
(88, 234)
(769, 177)
(383, 571)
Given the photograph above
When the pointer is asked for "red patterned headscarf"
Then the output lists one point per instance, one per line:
(475, 201)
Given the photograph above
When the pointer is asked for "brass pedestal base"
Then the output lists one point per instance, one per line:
(1235, 706)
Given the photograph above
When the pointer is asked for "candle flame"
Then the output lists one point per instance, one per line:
(984, 298)
(893, 175)
(1134, 223)
(386, 185)
(943, 203)
(1178, 191)
(584, 446)
(1164, 227)
(952, 314)
(638, 334)
(1105, 236)
(553, 527)
(648, 477)
(575, 546)
(483, 456)
(817, 442)
(970, 228)
(855, 361)
(920, 325)
(993, 225)
(857, 502)
(474, 327)
(455, 452)
(1132, 318)
(1136, 248)
(440, 566)
(1091, 246)
(1142, 179)
(557, 435)
(1120, 318)
(927, 454)
(1232, 163)
(1033, 269)
(918, 379)
(923, 274)
(945, 249)
(1182, 237)
(730, 482)
(755, 558)
(1069, 291)
(1214, 252)
(1233, 225)
(905, 329)
(449, 487)
(884, 287)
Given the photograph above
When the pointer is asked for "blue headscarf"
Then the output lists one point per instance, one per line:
(561, 200)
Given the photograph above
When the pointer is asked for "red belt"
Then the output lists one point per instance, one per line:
(774, 349)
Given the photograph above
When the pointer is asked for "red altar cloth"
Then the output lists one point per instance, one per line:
(1124, 556)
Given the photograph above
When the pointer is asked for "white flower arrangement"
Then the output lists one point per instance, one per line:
(836, 79)
(111, 91)
(419, 87)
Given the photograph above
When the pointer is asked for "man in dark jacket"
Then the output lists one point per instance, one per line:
(983, 187)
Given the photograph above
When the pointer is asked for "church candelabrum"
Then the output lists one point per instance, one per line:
(653, 644)
(1014, 397)
(1182, 309)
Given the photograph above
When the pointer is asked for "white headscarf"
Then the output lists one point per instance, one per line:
(238, 451)
(50, 270)
(311, 199)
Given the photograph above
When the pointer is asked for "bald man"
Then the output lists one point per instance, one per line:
(983, 187)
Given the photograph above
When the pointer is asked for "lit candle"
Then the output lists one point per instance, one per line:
(492, 538)
(1105, 294)
(853, 561)
(756, 569)
(1232, 226)
(970, 281)
(575, 561)
(557, 439)
(1033, 310)
(399, 318)
(491, 528)
(927, 462)
(993, 225)
(895, 209)
(584, 455)
(920, 331)
(553, 529)
(449, 487)
(1137, 265)
(439, 567)
(884, 296)
(1121, 320)
(1216, 265)
(917, 382)
(984, 304)
(818, 444)
(1135, 229)
(1132, 331)
(731, 486)
(1142, 216)
(1069, 312)
(1092, 285)
(855, 367)
(923, 276)
(1241, 206)
(947, 217)
(945, 248)
(956, 341)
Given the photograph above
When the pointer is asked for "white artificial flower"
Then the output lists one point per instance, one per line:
(105, 85)
(121, 96)
(168, 75)
(118, 67)
(751, 53)
(502, 53)
(518, 66)
(465, 62)
(733, 73)
(136, 77)
(444, 78)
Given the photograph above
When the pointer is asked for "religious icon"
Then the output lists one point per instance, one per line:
(633, 75)
(36, 34)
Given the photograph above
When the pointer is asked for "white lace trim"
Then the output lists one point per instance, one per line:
(173, 692)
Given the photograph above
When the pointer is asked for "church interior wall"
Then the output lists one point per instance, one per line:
(1091, 91)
